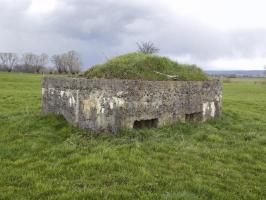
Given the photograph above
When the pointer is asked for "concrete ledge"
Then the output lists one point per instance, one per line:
(109, 105)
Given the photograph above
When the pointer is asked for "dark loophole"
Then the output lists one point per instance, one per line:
(194, 117)
(150, 123)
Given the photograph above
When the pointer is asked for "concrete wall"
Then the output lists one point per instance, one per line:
(110, 105)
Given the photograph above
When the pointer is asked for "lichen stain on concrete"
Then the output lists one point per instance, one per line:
(72, 101)
(43, 91)
(69, 95)
(212, 105)
(88, 105)
(100, 103)
(50, 91)
(218, 97)
(62, 93)
(116, 101)
(208, 108)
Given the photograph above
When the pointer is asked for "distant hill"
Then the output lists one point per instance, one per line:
(237, 73)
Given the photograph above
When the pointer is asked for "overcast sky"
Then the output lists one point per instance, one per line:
(214, 34)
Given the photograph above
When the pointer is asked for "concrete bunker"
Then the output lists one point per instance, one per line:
(103, 105)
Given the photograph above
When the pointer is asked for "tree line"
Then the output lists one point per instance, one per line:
(68, 62)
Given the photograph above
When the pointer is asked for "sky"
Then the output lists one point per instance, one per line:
(214, 34)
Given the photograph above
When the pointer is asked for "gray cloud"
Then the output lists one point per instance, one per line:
(106, 28)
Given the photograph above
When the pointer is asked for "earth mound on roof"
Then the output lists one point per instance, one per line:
(139, 66)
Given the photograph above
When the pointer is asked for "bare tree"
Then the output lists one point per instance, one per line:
(27, 58)
(147, 48)
(72, 60)
(8, 61)
(59, 64)
(35, 62)
(67, 62)
(40, 61)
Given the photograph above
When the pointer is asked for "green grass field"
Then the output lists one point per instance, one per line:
(43, 157)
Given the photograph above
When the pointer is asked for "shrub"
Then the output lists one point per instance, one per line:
(147, 48)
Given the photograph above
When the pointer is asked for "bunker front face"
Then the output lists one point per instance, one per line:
(101, 105)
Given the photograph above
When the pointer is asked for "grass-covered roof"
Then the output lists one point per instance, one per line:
(140, 66)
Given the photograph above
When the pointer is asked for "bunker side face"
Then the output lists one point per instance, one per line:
(110, 105)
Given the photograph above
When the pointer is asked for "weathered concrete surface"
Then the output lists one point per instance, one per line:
(110, 105)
